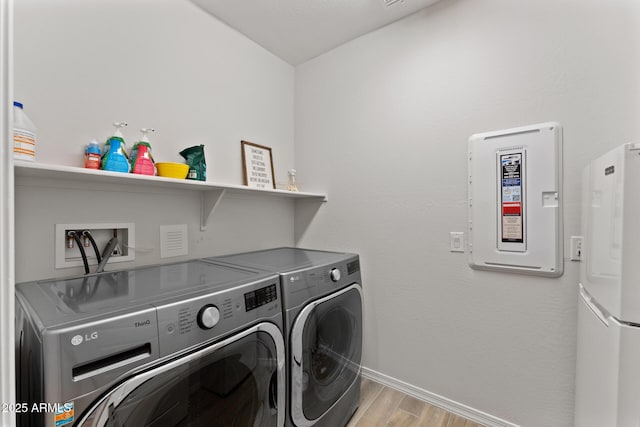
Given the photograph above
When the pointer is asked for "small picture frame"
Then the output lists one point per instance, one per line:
(257, 166)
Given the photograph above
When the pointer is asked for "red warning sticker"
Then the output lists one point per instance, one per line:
(512, 208)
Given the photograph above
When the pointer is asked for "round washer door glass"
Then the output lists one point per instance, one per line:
(331, 351)
(235, 385)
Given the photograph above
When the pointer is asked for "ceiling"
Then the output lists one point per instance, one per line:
(298, 30)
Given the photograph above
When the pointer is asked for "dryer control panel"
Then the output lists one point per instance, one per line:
(301, 286)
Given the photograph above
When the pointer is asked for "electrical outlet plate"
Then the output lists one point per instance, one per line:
(456, 241)
(576, 248)
(102, 233)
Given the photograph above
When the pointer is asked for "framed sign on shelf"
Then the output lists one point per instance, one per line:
(257, 166)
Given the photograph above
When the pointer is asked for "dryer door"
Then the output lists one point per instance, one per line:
(236, 382)
(326, 350)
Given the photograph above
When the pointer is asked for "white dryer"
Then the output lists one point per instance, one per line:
(322, 305)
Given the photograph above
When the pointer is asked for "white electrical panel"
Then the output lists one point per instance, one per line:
(515, 200)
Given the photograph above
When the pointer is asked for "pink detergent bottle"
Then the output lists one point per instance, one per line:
(142, 162)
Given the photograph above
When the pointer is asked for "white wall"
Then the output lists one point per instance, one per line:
(79, 66)
(382, 125)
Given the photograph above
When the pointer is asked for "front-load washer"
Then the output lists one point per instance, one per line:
(322, 302)
(184, 344)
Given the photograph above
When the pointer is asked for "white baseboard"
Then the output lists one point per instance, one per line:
(437, 400)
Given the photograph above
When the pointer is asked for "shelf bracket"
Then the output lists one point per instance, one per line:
(210, 199)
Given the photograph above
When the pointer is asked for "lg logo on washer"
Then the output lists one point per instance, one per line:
(79, 339)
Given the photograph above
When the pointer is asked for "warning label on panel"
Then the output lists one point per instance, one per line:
(512, 230)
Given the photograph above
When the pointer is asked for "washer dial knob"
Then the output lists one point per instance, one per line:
(335, 274)
(208, 316)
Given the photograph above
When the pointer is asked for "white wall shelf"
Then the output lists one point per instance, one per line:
(212, 193)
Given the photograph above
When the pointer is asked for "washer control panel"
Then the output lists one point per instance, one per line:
(260, 297)
(183, 323)
(208, 316)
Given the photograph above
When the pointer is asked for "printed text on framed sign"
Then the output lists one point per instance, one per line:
(257, 166)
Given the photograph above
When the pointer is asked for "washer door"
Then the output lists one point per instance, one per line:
(326, 351)
(235, 382)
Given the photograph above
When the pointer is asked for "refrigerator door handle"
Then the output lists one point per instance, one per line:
(604, 318)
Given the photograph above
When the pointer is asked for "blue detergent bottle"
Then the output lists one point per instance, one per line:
(115, 157)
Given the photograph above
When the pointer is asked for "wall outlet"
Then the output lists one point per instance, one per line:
(68, 254)
(576, 248)
(456, 241)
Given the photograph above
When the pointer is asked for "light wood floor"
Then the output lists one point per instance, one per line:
(381, 406)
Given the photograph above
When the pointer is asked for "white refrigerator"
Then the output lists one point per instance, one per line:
(608, 342)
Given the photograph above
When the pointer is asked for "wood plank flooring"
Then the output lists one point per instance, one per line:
(381, 406)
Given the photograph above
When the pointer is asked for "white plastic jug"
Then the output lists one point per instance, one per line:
(24, 134)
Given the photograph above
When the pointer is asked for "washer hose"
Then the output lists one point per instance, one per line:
(87, 234)
(82, 252)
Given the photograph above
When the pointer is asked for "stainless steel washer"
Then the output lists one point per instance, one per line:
(322, 297)
(185, 344)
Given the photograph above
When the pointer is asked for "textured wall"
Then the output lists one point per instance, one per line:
(382, 125)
